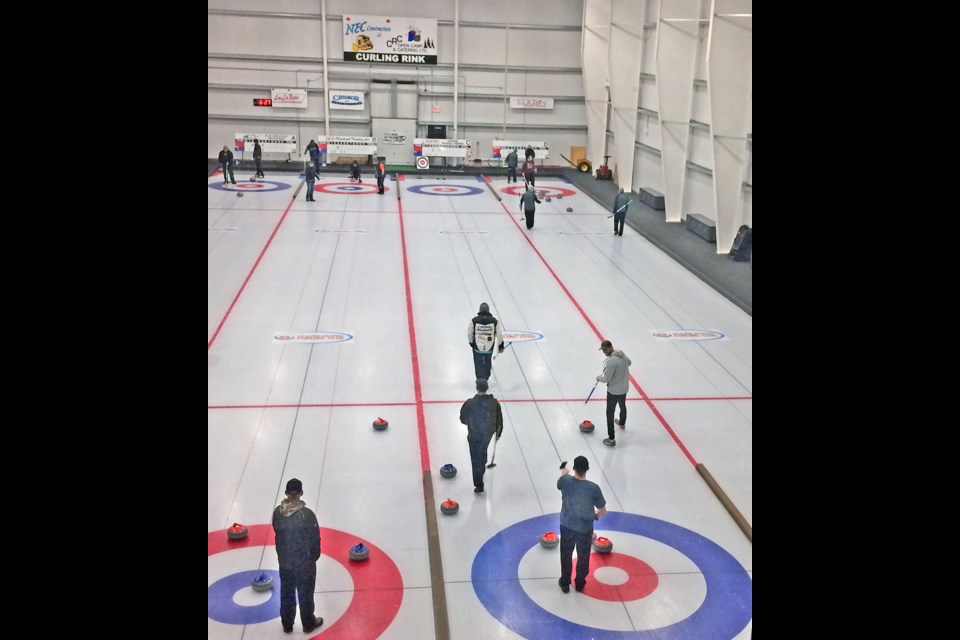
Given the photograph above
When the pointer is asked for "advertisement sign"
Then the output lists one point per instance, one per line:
(440, 147)
(269, 142)
(503, 147)
(346, 99)
(389, 40)
(347, 145)
(527, 102)
(290, 98)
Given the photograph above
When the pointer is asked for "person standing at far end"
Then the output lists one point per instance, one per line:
(529, 170)
(484, 418)
(380, 172)
(616, 373)
(297, 535)
(258, 156)
(529, 153)
(512, 166)
(310, 175)
(620, 205)
(313, 149)
(226, 164)
(577, 516)
(484, 335)
(355, 172)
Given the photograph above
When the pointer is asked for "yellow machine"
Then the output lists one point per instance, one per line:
(362, 44)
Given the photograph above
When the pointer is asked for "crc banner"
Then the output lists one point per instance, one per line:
(345, 99)
(389, 40)
(269, 142)
(502, 147)
(440, 147)
(295, 98)
(526, 102)
(347, 145)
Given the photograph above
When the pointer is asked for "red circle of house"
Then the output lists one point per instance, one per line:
(642, 580)
(358, 189)
(377, 584)
(550, 192)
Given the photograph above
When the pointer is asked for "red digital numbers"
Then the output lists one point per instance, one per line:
(263, 102)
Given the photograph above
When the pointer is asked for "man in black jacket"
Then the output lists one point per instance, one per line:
(298, 549)
(484, 418)
(484, 335)
(226, 164)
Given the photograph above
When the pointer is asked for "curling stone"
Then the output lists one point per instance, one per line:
(569, 209)
(359, 551)
(560, 197)
(380, 424)
(548, 198)
(448, 471)
(449, 507)
(587, 427)
(239, 195)
(602, 545)
(549, 540)
(237, 531)
(262, 582)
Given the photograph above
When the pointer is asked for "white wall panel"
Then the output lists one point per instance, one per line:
(730, 62)
(626, 49)
(677, 39)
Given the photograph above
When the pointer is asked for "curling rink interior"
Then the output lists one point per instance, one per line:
(324, 316)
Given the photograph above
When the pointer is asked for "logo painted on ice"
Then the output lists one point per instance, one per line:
(521, 335)
(688, 334)
(321, 337)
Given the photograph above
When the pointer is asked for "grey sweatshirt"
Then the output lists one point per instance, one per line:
(616, 373)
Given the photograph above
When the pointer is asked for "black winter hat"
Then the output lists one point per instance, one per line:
(294, 486)
(484, 307)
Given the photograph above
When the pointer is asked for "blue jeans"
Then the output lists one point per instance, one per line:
(582, 541)
(310, 184)
(297, 585)
(511, 173)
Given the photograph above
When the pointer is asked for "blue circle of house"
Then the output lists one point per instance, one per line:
(222, 608)
(445, 190)
(725, 611)
(245, 186)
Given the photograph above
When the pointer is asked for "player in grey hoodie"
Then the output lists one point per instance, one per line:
(616, 373)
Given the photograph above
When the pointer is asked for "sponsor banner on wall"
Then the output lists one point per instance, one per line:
(527, 102)
(344, 99)
(347, 145)
(389, 40)
(289, 98)
(269, 142)
(503, 147)
(440, 147)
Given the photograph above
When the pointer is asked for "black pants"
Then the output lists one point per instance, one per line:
(618, 219)
(511, 173)
(297, 585)
(227, 167)
(478, 459)
(582, 541)
(528, 216)
(259, 169)
(482, 363)
(612, 401)
(380, 184)
(529, 178)
(310, 191)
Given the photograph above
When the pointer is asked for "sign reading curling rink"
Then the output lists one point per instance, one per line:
(389, 40)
